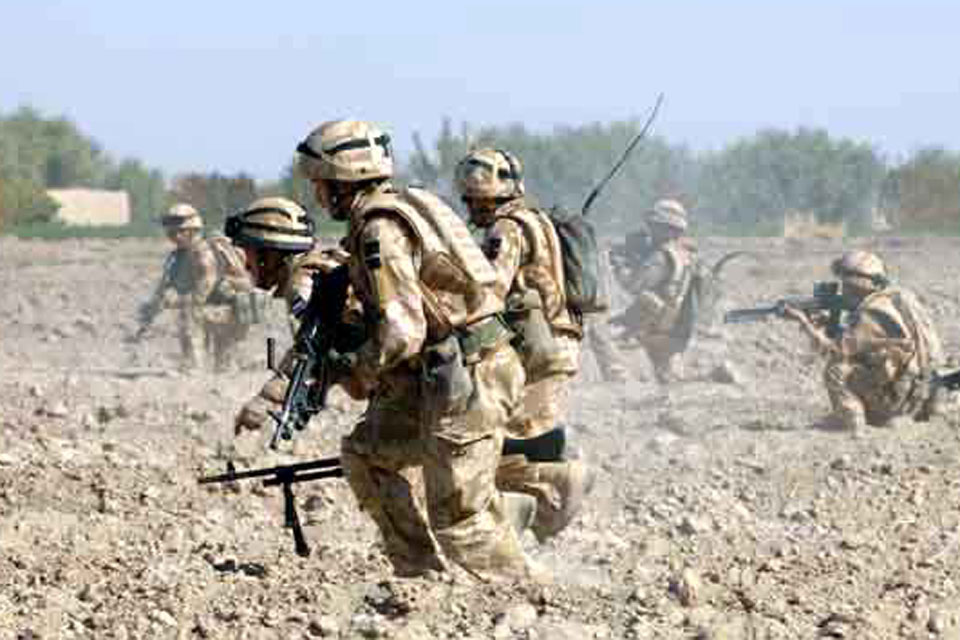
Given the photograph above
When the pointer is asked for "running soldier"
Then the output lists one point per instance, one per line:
(204, 279)
(522, 244)
(658, 268)
(880, 365)
(437, 365)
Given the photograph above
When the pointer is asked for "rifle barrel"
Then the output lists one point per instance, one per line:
(322, 463)
(336, 472)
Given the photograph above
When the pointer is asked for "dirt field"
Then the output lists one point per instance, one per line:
(720, 510)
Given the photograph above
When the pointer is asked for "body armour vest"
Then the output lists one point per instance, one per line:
(898, 312)
(674, 288)
(543, 259)
(457, 281)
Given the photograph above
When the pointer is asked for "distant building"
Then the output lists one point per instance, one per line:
(92, 207)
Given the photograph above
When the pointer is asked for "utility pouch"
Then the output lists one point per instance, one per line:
(248, 308)
(534, 339)
(446, 378)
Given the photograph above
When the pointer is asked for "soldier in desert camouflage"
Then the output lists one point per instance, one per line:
(658, 268)
(522, 244)
(437, 366)
(880, 365)
(205, 281)
(282, 255)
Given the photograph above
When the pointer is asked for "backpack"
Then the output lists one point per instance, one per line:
(583, 278)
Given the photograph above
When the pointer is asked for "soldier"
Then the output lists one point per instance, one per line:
(281, 254)
(522, 244)
(205, 280)
(438, 367)
(658, 270)
(879, 367)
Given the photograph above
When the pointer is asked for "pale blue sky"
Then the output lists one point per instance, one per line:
(234, 85)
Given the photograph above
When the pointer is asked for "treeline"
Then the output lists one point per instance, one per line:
(38, 153)
(746, 187)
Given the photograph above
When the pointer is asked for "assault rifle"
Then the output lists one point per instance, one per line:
(547, 447)
(826, 298)
(312, 373)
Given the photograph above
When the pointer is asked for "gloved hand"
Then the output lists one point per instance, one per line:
(253, 414)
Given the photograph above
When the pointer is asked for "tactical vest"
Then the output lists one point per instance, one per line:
(457, 281)
(673, 290)
(297, 281)
(902, 308)
(543, 257)
(230, 260)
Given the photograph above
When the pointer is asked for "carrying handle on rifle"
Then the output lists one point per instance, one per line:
(623, 158)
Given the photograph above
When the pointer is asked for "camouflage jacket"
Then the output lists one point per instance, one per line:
(417, 273)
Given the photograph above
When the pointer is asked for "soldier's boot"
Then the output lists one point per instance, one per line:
(520, 510)
(571, 482)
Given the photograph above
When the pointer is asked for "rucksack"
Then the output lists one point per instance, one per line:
(583, 277)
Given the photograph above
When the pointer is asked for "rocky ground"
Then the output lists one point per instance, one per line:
(721, 510)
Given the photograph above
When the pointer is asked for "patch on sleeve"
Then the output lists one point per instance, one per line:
(371, 254)
(492, 247)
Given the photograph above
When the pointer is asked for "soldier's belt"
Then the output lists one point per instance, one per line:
(482, 335)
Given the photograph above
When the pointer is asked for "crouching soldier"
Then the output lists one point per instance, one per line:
(881, 361)
(282, 255)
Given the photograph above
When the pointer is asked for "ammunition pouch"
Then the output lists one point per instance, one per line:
(447, 374)
(447, 382)
(534, 339)
(249, 308)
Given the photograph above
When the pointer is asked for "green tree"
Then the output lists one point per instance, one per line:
(923, 193)
(215, 195)
(148, 194)
(754, 181)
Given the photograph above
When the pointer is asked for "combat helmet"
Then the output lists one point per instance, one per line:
(182, 216)
(347, 151)
(668, 212)
(271, 223)
(862, 269)
(490, 173)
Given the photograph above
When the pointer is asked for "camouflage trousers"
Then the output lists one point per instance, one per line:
(610, 361)
(558, 487)
(663, 351)
(458, 454)
(208, 331)
(858, 395)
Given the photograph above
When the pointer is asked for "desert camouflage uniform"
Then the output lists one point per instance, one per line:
(205, 281)
(402, 273)
(525, 251)
(882, 367)
(659, 278)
